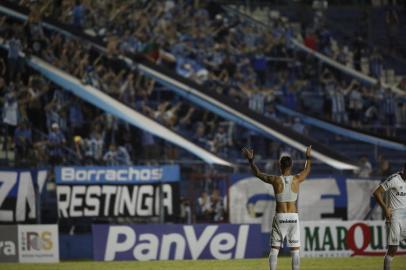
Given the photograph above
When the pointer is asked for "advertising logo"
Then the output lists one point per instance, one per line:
(176, 242)
(8, 244)
(38, 243)
(345, 238)
(76, 201)
(117, 174)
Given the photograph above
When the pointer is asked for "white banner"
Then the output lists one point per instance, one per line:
(344, 238)
(38, 243)
(252, 201)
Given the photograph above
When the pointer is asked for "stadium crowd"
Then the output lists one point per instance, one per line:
(233, 56)
(223, 59)
(132, 89)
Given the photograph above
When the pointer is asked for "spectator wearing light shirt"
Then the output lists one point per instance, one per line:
(94, 148)
(117, 156)
(365, 167)
(355, 105)
(336, 95)
(10, 116)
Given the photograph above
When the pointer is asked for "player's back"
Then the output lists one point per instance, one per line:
(286, 190)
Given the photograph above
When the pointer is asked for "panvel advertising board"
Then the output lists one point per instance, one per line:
(177, 242)
(344, 238)
(117, 191)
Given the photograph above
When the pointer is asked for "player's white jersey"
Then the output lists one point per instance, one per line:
(396, 189)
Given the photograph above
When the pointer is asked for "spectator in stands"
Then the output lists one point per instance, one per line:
(365, 167)
(310, 40)
(199, 136)
(337, 99)
(186, 121)
(388, 103)
(299, 127)
(76, 117)
(10, 116)
(220, 140)
(78, 14)
(15, 47)
(270, 112)
(22, 142)
(55, 144)
(205, 210)
(3, 72)
(324, 38)
(260, 64)
(391, 23)
(401, 114)
(185, 211)
(376, 63)
(355, 105)
(80, 149)
(148, 141)
(110, 157)
(358, 50)
(95, 145)
(384, 167)
(117, 156)
(217, 206)
(371, 115)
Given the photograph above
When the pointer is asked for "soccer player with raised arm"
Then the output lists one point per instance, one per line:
(395, 212)
(286, 220)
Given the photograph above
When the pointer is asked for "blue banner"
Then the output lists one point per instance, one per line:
(129, 175)
(18, 190)
(170, 242)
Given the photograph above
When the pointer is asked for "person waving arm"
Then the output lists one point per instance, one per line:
(249, 155)
(306, 171)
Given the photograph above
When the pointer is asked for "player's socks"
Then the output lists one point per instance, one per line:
(387, 262)
(273, 258)
(295, 259)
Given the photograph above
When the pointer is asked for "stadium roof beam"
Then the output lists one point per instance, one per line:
(343, 131)
(116, 108)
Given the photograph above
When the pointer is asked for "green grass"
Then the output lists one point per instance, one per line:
(357, 263)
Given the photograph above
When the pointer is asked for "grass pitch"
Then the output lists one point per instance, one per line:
(356, 263)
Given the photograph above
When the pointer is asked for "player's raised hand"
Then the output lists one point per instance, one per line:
(248, 153)
(309, 151)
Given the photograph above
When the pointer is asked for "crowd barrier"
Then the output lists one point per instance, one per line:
(327, 238)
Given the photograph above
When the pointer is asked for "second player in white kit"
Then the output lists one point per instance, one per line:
(395, 212)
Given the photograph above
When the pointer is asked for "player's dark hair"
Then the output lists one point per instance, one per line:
(285, 163)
